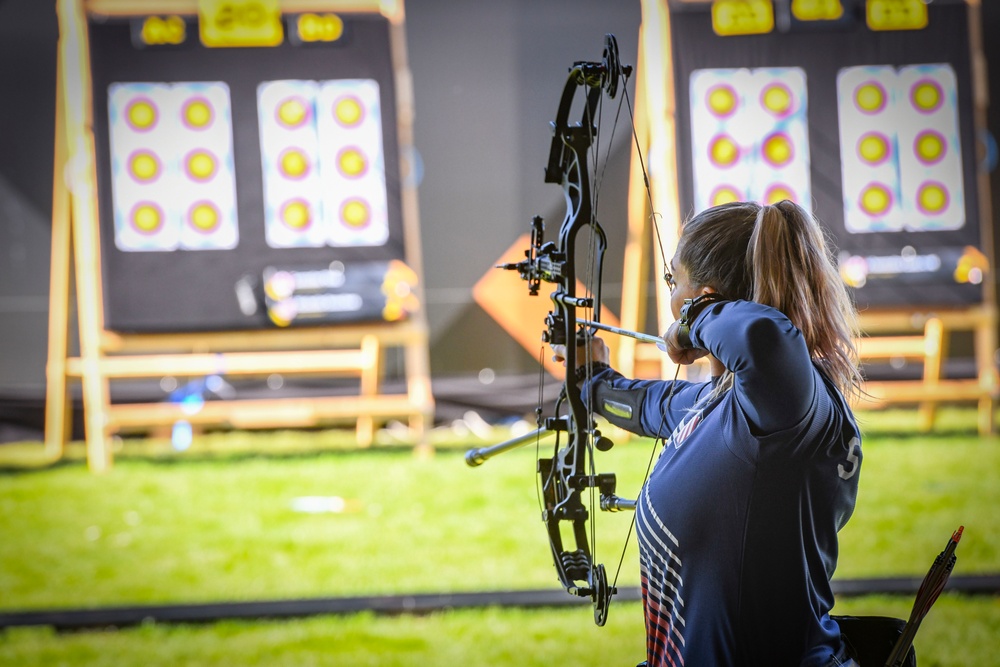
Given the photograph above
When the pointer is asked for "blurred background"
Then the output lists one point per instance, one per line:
(486, 80)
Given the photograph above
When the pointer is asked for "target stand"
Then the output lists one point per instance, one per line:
(232, 197)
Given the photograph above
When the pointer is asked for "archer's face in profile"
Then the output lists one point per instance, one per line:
(680, 285)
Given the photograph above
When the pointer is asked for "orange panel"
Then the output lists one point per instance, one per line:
(505, 297)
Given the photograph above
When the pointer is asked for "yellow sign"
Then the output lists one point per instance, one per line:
(240, 22)
(742, 17)
(157, 30)
(896, 14)
(319, 27)
(817, 10)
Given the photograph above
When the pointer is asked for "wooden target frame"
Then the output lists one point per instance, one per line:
(354, 350)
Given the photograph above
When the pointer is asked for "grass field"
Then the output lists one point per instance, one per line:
(220, 523)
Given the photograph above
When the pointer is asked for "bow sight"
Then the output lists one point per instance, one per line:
(570, 471)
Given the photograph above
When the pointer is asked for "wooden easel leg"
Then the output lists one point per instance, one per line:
(935, 342)
(370, 375)
(58, 408)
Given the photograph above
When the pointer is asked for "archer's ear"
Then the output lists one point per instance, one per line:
(707, 289)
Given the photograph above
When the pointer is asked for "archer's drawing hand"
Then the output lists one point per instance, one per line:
(681, 355)
(598, 352)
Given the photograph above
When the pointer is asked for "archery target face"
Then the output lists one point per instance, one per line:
(288, 141)
(323, 164)
(172, 176)
(749, 137)
(900, 152)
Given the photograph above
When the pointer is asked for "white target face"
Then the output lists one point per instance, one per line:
(749, 138)
(323, 163)
(900, 153)
(172, 175)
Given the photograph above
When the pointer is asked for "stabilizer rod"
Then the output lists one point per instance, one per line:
(478, 456)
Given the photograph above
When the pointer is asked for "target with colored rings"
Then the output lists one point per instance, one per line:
(296, 214)
(170, 149)
(293, 112)
(355, 213)
(725, 194)
(722, 100)
(873, 148)
(777, 149)
(870, 97)
(777, 99)
(197, 113)
(778, 193)
(926, 96)
(748, 132)
(146, 218)
(201, 165)
(875, 199)
(351, 162)
(349, 111)
(723, 151)
(932, 198)
(930, 147)
(293, 163)
(204, 217)
(141, 114)
(144, 166)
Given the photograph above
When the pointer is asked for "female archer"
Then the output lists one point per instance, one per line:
(737, 523)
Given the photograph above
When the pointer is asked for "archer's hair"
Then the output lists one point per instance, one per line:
(777, 255)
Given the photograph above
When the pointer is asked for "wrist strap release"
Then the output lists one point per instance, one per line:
(690, 311)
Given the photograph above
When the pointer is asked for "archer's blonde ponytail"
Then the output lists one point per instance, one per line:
(777, 255)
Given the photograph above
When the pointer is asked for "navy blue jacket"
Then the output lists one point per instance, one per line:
(737, 523)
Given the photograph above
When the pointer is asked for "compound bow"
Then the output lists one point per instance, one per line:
(569, 473)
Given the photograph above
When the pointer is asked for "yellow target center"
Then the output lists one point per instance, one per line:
(722, 100)
(778, 193)
(348, 111)
(147, 218)
(352, 163)
(355, 213)
(870, 97)
(723, 151)
(929, 147)
(875, 199)
(141, 115)
(292, 112)
(144, 166)
(873, 148)
(724, 195)
(926, 96)
(201, 165)
(294, 163)
(778, 150)
(777, 99)
(295, 214)
(197, 114)
(204, 216)
(932, 197)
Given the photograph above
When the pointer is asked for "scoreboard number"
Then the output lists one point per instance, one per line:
(896, 14)
(225, 23)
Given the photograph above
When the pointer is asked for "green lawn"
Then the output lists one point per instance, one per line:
(218, 523)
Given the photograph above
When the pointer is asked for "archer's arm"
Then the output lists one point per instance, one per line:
(774, 379)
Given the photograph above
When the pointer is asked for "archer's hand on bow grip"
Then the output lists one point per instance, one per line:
(598, 352)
